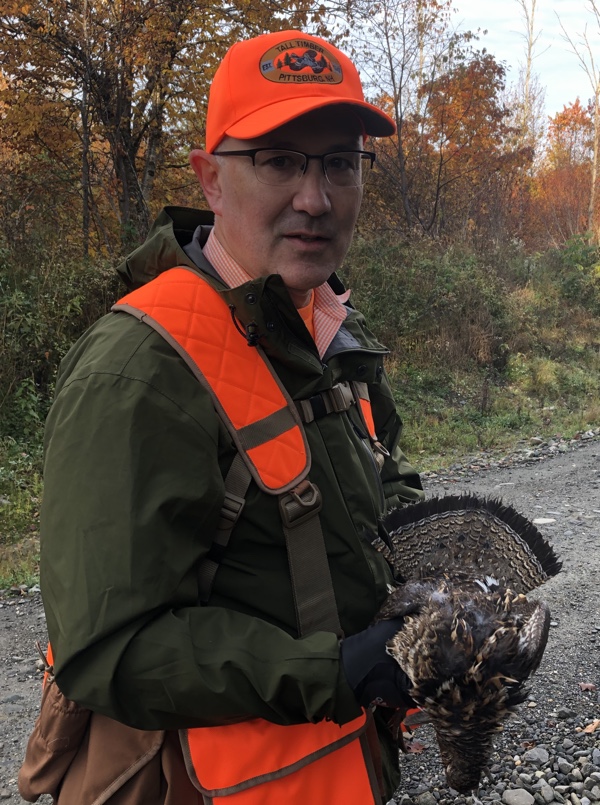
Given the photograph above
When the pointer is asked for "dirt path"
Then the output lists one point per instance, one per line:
(563, 488)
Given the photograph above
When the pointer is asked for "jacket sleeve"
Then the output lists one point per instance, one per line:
(133, 489)
(401, 482)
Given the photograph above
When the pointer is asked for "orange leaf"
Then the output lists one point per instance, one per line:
(587, 686)
(415, 748)
(593, 726)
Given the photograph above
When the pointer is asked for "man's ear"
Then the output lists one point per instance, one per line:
(206, 168)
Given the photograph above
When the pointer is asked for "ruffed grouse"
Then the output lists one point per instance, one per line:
(470, 639)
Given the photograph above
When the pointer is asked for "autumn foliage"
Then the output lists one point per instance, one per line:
(101, 102)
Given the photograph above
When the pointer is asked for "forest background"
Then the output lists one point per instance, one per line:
(477, 255)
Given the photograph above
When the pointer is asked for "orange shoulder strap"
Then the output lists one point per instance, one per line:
(264, 423)
(261, 416)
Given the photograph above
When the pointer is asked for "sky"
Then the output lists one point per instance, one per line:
(557, 66)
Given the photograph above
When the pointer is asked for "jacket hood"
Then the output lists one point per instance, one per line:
(163, 248)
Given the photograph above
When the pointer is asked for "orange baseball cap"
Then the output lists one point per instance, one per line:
(267, 81)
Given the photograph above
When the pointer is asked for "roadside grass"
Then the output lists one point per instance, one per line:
(20, 497)
(448, 416)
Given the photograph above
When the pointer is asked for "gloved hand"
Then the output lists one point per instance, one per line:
(374, 676)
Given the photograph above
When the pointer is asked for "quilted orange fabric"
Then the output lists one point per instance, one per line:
(192, 313)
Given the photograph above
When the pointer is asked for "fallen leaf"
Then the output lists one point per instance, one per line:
(593, 726)
(527, 744)
(415, 748)
(587, 686)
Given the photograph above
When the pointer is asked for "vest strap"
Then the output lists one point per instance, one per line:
(314, 598)
(267, 429)
(237, 482)
(337, 399)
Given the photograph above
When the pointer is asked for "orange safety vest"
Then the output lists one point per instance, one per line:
(255, 762)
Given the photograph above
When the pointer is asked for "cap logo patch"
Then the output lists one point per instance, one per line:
(300, 61)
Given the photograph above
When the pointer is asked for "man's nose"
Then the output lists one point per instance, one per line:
(312, 193)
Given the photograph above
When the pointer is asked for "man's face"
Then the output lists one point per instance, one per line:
(301, 232)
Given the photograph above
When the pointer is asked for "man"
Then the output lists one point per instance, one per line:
(152, 628)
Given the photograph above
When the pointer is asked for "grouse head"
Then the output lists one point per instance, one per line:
(470, 639)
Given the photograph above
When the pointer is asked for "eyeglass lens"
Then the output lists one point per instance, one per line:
(278, 167)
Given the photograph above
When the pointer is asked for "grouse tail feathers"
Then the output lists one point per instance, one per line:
(464, 534)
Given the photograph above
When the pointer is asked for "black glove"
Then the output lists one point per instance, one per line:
(374, 676)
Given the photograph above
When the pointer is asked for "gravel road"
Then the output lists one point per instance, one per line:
(550, 751)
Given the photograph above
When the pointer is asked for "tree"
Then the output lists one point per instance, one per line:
(129, 81)
(468, 141)
(560, 191)
(570, 137)
(446, 99)
(399, 45)
(530, 96)
(585, 52)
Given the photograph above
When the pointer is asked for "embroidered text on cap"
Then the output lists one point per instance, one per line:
(300, 61)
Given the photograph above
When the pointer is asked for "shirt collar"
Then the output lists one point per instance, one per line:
(329, 308)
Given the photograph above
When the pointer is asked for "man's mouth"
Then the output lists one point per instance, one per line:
(306, 237)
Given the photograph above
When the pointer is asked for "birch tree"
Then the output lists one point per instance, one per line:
(585, 51)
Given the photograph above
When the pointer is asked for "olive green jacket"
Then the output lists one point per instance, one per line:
(134, 465)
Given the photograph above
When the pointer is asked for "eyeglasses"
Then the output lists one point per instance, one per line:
(274, 166)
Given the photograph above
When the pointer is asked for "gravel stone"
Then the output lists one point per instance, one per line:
(517, 796)
(576, 775)
(539, 756)
(565, 712)
(547, 792)
(426, 799)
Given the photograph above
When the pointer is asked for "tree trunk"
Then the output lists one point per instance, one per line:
(592, 227)
(85, 173)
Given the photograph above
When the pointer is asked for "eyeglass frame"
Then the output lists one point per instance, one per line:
(252, 152)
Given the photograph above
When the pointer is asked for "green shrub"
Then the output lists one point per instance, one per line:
(576, 268)
(44, 307)
(20, 496)
(446, 307)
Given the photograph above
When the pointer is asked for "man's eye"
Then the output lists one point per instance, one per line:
(341, 164)
(280, 162)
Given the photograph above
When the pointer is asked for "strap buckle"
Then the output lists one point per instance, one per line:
(301, 503)
(231, 510)
(336, 400)
(341, 397)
